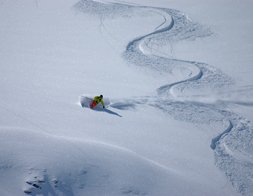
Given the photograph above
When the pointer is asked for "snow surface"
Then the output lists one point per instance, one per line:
(178, 75)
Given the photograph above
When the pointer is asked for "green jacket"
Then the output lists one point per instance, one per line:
(98, 100)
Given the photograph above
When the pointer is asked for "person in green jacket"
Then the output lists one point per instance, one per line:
(96, 100)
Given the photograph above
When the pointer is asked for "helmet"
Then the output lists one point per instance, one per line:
(101, 96)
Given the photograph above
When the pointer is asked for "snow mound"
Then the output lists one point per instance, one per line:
(40, 163)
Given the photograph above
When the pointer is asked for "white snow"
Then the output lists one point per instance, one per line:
(178, 76)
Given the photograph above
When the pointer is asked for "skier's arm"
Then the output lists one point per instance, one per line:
(102, 102)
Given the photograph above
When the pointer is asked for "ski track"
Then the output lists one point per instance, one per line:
(233, 146)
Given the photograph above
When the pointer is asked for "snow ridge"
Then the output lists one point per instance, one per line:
(76, 167)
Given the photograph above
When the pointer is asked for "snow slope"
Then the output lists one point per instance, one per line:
(179, 122)
(45, 164)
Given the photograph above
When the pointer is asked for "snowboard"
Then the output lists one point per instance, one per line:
(85, 102)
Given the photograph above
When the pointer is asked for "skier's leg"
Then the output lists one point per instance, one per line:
(93, 104)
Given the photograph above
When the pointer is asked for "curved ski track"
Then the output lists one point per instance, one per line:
(237, 136)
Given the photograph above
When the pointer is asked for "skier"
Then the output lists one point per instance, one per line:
(97, 100)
